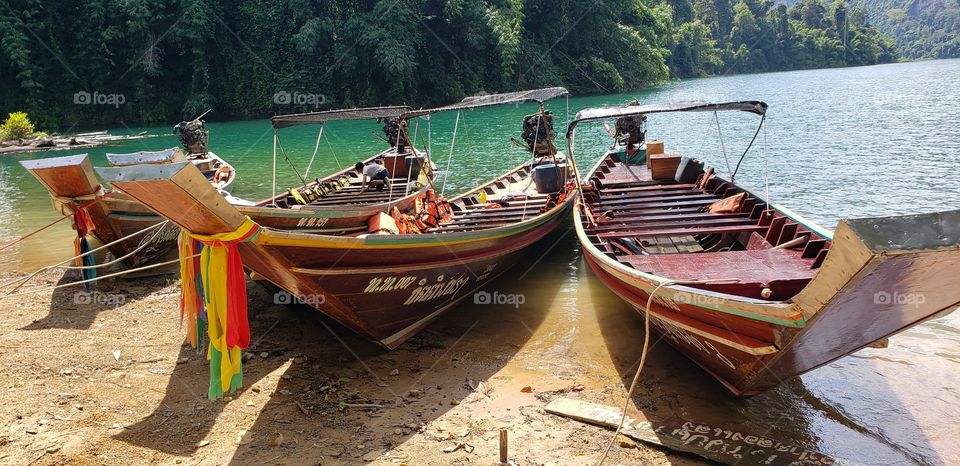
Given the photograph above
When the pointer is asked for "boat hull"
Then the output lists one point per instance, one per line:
(871, 279)
(388, 294)
(382, 286)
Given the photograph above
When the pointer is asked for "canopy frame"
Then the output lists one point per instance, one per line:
(756, 107)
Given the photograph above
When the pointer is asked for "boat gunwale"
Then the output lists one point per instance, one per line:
(283, 237)
(263, 207)
(786, 313)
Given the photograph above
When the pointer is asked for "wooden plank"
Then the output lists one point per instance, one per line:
(714, 443)
(668, 187)
(615, 201)
(659, 206)
(641, 225)
(685, 231)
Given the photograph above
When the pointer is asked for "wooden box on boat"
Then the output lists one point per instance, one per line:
(663, 166)
(653, 147)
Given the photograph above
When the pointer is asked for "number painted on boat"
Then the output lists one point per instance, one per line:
(487, 271)
(384, 284)
(312, 222)
(442, 287)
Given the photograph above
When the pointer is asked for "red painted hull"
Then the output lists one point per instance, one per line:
(831, 295)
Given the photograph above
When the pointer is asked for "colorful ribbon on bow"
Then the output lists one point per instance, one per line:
(83, 224)
(214, 292)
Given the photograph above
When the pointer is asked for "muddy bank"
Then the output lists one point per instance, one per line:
(101, 382)
(315, 393)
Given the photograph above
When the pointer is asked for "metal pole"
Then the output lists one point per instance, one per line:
(273, 189)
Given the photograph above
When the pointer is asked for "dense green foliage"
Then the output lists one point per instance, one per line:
(96, 62)
(17, 126)
(922, 28)
(736, 36)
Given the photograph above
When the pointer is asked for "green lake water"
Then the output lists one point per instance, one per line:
(838, 143)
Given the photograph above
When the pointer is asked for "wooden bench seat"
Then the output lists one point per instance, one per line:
(751, 266)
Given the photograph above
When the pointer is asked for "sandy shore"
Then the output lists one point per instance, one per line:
(111, 382)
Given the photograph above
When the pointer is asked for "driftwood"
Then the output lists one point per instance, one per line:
(77, 141)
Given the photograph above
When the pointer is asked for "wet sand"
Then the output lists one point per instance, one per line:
(313, 393)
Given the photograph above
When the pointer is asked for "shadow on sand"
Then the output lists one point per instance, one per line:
(73, 307)
(329, 394)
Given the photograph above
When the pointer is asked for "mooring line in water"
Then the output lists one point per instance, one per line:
(643, 354)
(28, 235)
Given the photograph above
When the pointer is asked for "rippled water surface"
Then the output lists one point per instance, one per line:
(838, 143)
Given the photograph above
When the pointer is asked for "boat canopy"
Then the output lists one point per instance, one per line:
(538, 95)
(600, 113)
(369, 113)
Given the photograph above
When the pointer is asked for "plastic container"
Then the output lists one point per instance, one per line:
(688, 170)
(654, 147)
(548, 178)
(412, 166)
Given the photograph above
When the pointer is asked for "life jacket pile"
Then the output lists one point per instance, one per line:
(557, 198)
(309, 194)
(429, 212)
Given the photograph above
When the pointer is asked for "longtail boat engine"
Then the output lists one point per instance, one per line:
(631, 131)
(397, 132)
(193, 135)
(539, 135)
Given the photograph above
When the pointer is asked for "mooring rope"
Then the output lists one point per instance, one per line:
(81, 282)
(34, 232)
(646, 348)
(23, 280)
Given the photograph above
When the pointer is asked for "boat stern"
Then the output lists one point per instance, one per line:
(881, 276)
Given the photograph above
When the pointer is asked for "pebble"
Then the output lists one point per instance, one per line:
(277, 441)
(203, 443)
(625, 442)
(299, 360)
(53, 449)
(395, 372)
(183, 360)
(397, 431)
(264, 355)
(32, 430)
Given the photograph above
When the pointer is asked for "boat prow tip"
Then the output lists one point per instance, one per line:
(179, 192)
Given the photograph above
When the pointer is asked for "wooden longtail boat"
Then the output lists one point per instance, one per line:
(334, 204)
(747, 289)
(383, 286)
(73, 186)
